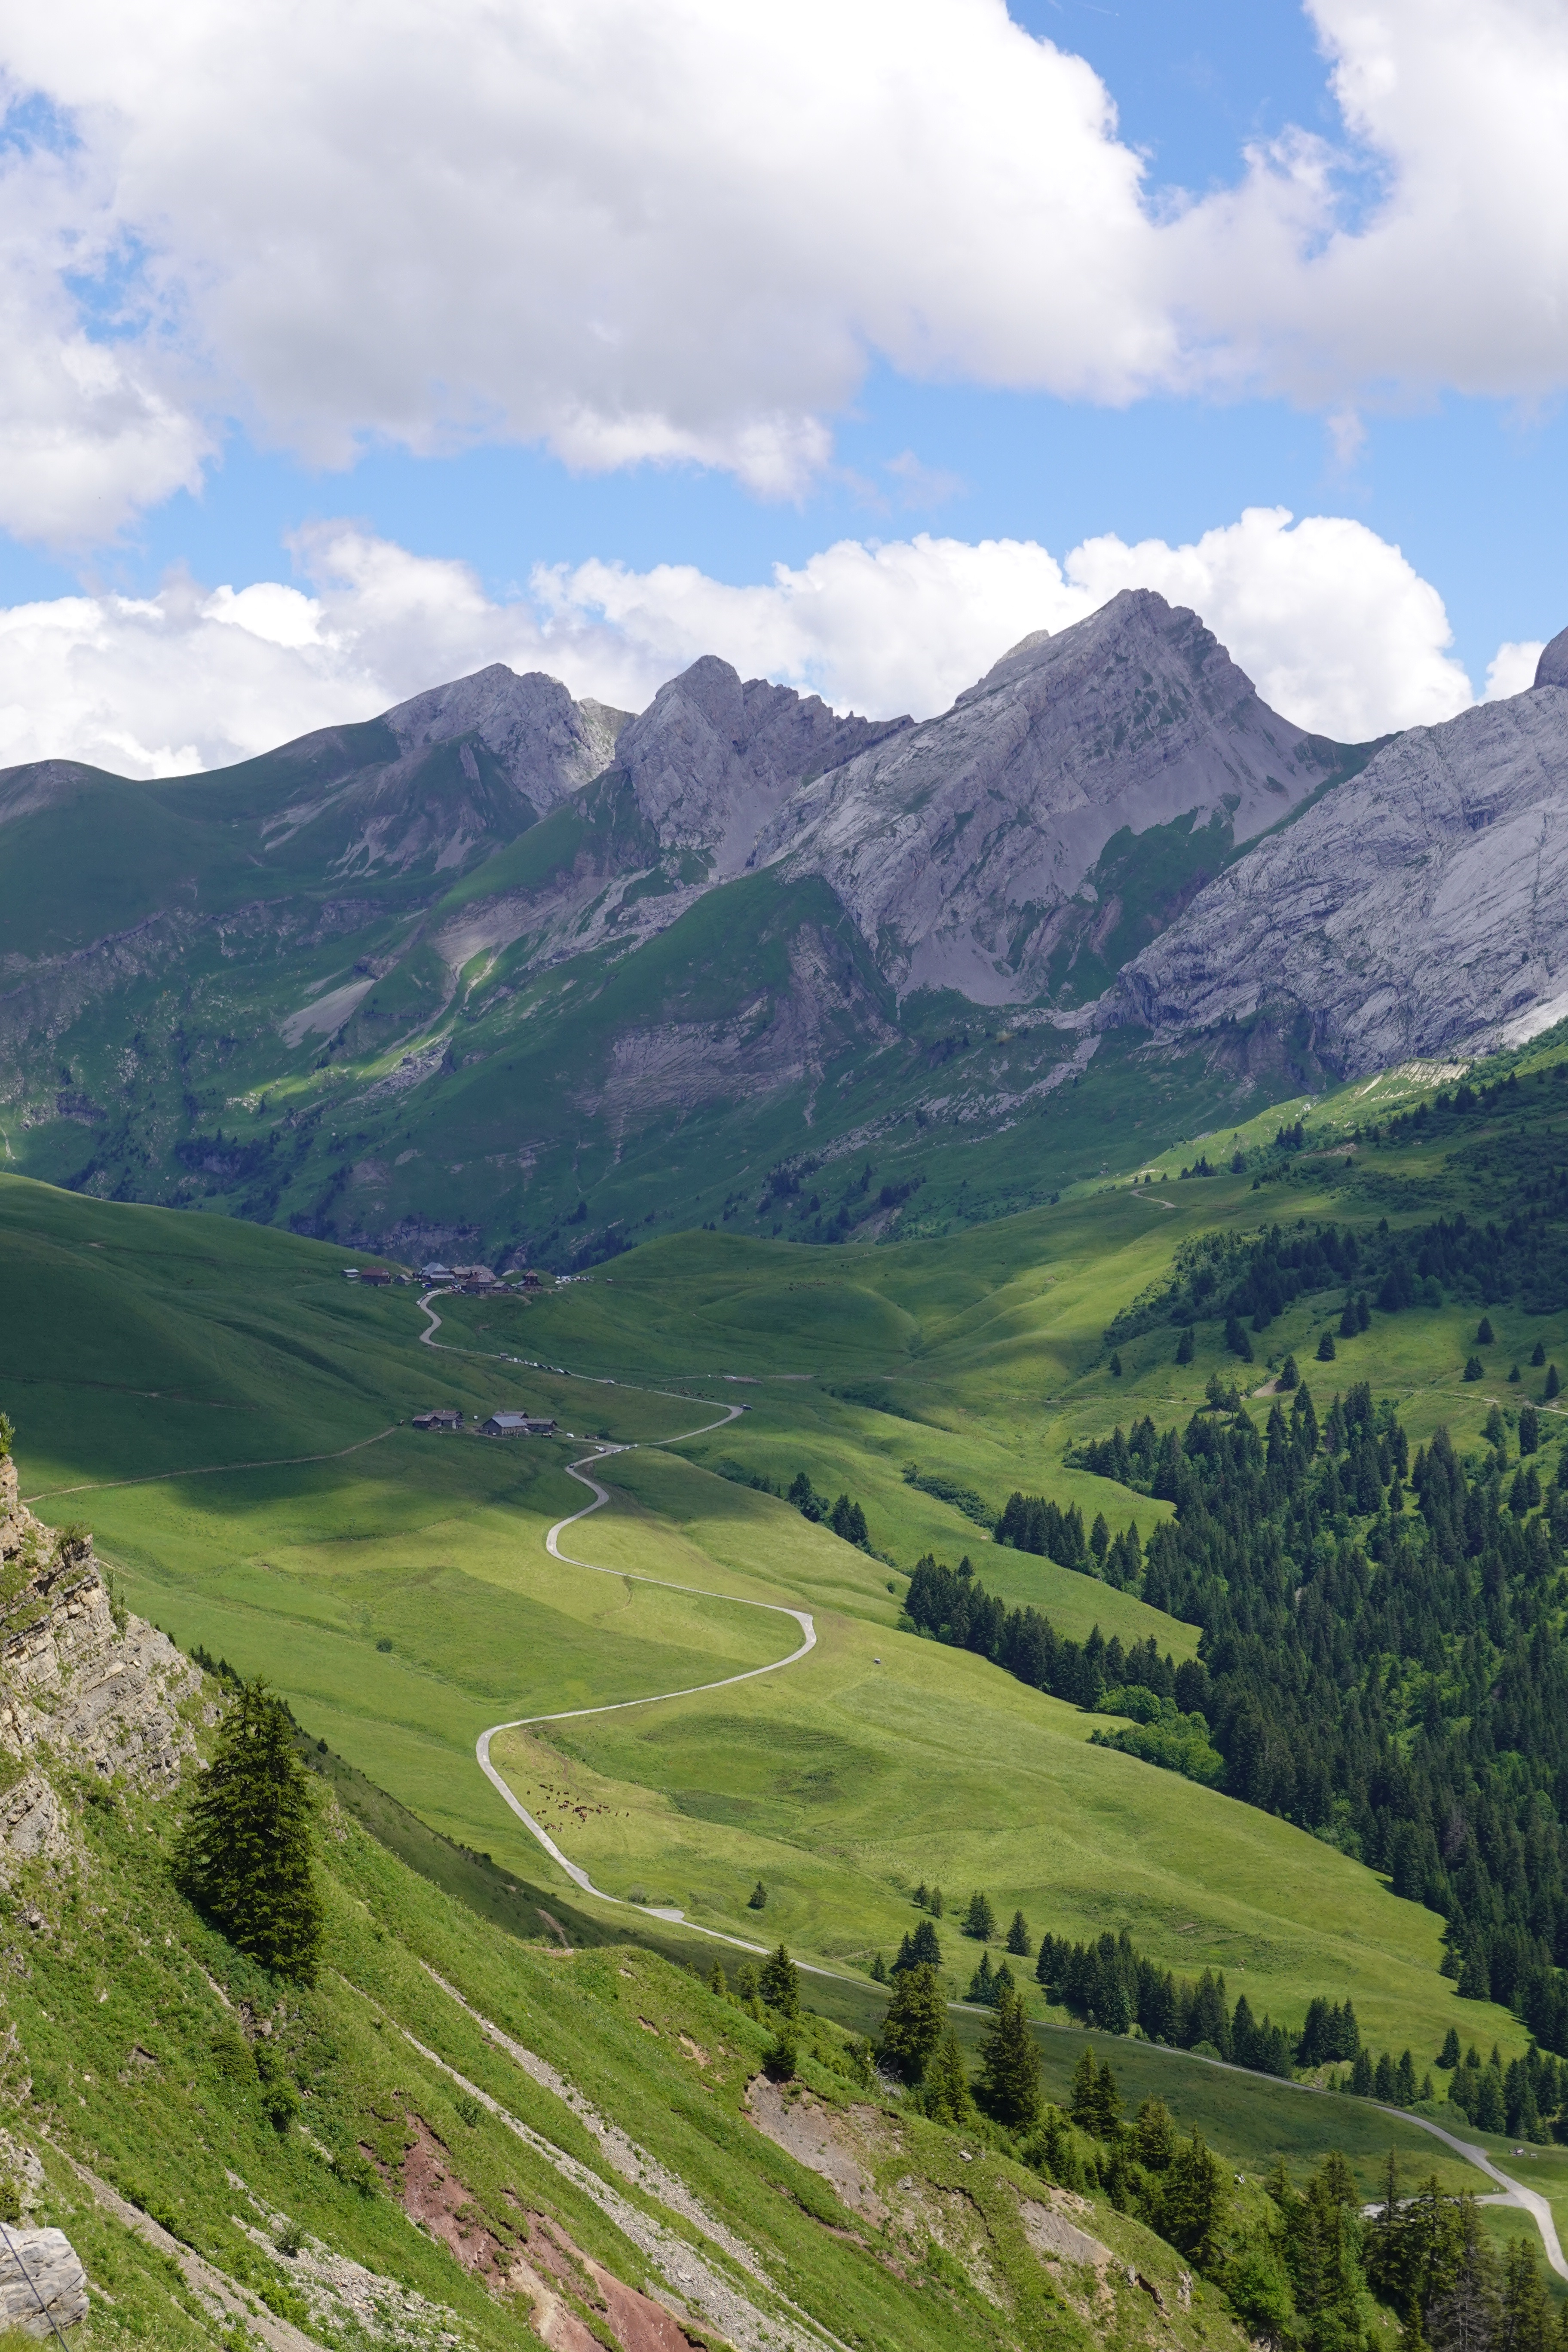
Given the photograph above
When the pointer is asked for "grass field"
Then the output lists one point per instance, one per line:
(400, 1595)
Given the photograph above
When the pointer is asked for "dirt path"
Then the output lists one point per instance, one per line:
(802, 1617)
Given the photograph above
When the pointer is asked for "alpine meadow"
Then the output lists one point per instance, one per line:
(784, 1177)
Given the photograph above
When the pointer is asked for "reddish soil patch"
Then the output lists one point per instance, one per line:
(637, 2322)
(433, 2196)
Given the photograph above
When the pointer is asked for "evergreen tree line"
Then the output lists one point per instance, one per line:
(1112, 1986)
(1386, 1666)
(953, 1606)
(1226, 1279)
(846, 1518)
(1525, 2098)
(1304, 2275)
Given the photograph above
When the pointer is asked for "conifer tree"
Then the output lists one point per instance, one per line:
(1449, 2054)
(1289, 1378)
(979, 1920)
(1010, 2063)
(1326, 1348)
(945, 2094)
(1018, 1942)
(983, 1984)
(934, 1903)
(716, 1982)
(878, 1970)
(1553, 1383)
(1184, 1347)
(758, 1897)
(779, 1983)
(245, 1855)
(1484, 1332)
(1538, 1354)
(915, 2022)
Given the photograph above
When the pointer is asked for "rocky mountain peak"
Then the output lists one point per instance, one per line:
(962, 846)
(1552, 669)
(713, 757)
(1420, 908)
(548, 742)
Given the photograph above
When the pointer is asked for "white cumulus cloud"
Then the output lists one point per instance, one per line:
(1512, 669)
(681, 234)
(1337, 629)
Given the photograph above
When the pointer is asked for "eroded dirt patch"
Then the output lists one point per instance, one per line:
(820, 2137)
(555, 2269)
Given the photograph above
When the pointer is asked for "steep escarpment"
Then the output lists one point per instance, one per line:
(1421, 909)
(960, 847)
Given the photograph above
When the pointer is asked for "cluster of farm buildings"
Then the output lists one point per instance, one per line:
(497, 1425)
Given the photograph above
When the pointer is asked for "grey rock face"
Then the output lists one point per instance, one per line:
(711, 758)
(462, 767)
(547, 743)
(1420, 908)
(42, 2283)
(1552, 669)
(958, 844)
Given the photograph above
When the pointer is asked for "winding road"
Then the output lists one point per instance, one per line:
(802, 1617)
(1511, 2192)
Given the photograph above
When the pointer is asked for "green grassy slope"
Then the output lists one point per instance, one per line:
(979, 1355)
(615, 2131)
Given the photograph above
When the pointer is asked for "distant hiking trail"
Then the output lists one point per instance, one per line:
(601, 1495)
(1513, 2193)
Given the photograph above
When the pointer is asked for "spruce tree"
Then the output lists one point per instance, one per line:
(245, 1855)
(1326, 1348)
(1018, 1942)
(945, 2094)
(758, 1897)
(1184, 1347)
(717, 1980)
(915, 2022)
(1553, 1383)
(1289, 1378)
(979, 1920)
(925, 1950)
(779, 1983)
(1538, 1354)
(878, 1970)
(1484, 1332)
(1449, 2054)
(1010, 2063)
(982, 1984)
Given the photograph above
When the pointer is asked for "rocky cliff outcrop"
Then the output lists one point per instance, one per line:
(711, 759)
(958, 846)
(104, 1691)
(1420, 908)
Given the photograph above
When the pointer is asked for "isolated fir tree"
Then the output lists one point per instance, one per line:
(1538, 1354)
(1326, 1348)
(878, 1970)
(780, 1984)
(1010, 2063)
(1449, 2054)
(934, 1903)
(1474, 1369)
(758, 1897)
(979, 1920)
(1185, 1348)
(1018, 1942)
(1553, 1383)
(1485, 1335)
(245, 1855)
(915, 2022)
(1289, 1378)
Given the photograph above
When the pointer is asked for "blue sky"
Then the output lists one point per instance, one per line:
(1468, 483)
